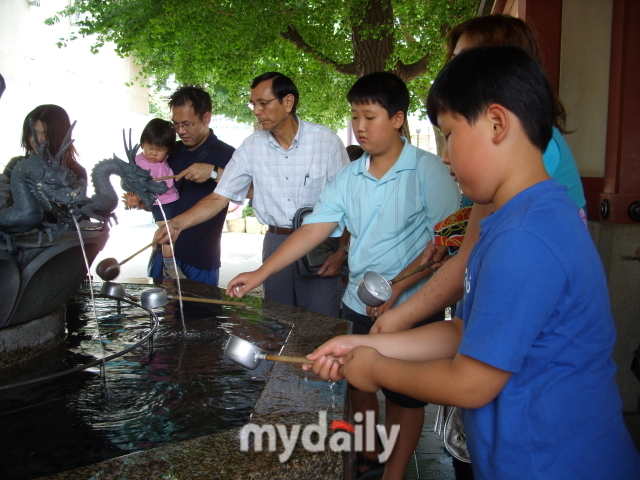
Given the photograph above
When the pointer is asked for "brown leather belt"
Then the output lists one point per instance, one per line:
(279, 230)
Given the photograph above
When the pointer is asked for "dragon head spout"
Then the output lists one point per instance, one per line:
(135, 179)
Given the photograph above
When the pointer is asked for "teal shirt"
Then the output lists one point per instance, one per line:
(390, 219)
(560, 165)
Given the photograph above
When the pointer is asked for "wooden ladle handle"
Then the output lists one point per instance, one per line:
(164, 178)
(139, 251)
(209, 300)
(288, 359)
(417, 269)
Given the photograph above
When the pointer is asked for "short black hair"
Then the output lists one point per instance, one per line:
(195, 95)
(384, 88)
(160, 133)
(281, 87)
(508, 76)
(3, 85)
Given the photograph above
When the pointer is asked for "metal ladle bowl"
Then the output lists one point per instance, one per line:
(374, 290)
(246, 354)
(158, 297)
(112, 290)
(116, 291)
(109, 268)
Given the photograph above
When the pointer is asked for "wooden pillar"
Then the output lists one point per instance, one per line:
(545, 17)
(619, 198)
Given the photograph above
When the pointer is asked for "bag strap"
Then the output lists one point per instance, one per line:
(207, 151)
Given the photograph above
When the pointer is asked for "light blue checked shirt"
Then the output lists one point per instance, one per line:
(283, 180)
(390, 219)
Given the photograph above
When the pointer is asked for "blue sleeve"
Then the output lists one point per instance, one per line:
(519, 283)
(440, 193)
(551, 157)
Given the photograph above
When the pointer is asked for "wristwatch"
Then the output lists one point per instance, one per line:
(214, 172)
(345, 248)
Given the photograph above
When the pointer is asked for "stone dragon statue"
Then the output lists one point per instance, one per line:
(132, 179)
(42, 182)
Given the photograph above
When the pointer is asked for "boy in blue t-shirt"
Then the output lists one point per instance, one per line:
(390, 199)
(534, 378)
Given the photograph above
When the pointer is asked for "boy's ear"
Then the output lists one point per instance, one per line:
(498, 117)
(398, 119)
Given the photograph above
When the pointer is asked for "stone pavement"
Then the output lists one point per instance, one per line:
(243, 252)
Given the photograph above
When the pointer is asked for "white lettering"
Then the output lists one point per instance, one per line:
(320, 428)
(288, 441)
(387, 442)
(257, 431)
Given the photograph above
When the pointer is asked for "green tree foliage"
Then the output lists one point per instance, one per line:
(323, 45)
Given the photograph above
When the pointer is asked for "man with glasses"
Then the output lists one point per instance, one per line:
(200, 158)
(289, 162)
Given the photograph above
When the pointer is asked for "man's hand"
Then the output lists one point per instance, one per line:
(198, 172)
(360, 368)
(244, 283)
(171, 227)
(333, 264)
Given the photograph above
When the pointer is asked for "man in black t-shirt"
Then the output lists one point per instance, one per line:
(199, 159)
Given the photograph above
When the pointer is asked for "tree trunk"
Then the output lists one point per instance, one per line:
(371, 54)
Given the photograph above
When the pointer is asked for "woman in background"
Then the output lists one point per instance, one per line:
(51, 124)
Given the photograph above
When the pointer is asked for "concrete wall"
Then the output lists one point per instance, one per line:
(91, 88)
(613, 243)
(584, 80)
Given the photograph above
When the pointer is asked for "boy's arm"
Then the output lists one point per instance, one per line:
(303, 240)
(430, 342)
(440, 291)
(462, 381)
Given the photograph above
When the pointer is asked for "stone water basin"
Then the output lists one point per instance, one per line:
(184, 420)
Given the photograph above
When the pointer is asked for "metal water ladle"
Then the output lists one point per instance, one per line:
(109, 268)
(249, 356)
(158, 297)
(374, 290)
(115, 291)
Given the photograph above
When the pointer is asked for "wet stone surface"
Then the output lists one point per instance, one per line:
(288, 396)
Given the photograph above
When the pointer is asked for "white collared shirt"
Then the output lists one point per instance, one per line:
(283, 180)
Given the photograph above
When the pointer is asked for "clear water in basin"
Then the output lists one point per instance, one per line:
(182, 388)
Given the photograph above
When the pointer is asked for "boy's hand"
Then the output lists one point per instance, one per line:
(359, 368)
(333, 264)
(327, 368)
(376, 312)
(244, 283)
(162, 234)
(325, 355)
(389, 322)
(438, 254)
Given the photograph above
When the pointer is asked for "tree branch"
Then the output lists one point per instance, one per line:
(294, 37)
(413, 70)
